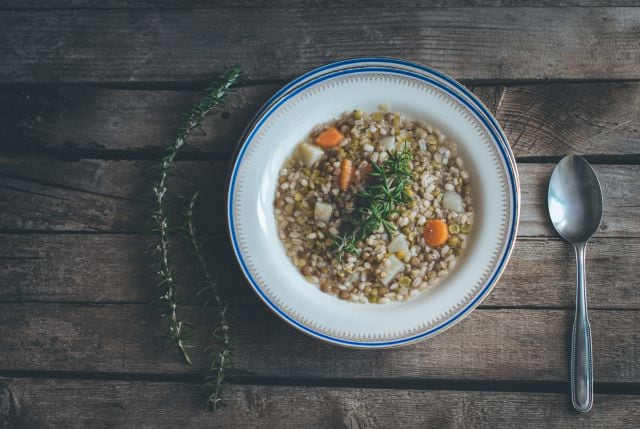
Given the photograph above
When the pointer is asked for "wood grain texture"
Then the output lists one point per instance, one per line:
(100, 195)
(114, 268)
(81, 347)
(140, 122)
(516, 345)
(85, 403)
(619, 217)
(539, 120)
(158, 45)
(111, 196)
(567, 118)
(342, 4)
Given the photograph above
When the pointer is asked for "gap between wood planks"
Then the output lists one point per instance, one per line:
(398, 383)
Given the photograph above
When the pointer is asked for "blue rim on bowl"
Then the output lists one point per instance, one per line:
(417, 71)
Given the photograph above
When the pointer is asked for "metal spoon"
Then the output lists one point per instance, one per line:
(575, 208)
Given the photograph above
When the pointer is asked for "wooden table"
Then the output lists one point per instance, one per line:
(91, 91)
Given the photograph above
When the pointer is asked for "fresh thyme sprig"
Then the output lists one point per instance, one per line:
(220, 344)
(178, 331)
(378, 201)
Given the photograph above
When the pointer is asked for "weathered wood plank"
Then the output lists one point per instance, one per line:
(563, 118)
(618, 182)
(516, 345)
(539, 120)
(94, 119)
(161, 45)
(115, 268)
(342, 4)
(81, 119)
(98, 195)
(108, 196)
(87, 403)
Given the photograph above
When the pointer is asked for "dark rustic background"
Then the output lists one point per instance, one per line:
(91, 91)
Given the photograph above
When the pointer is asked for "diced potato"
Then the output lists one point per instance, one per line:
(310, 154)
(388, 143)
(398, 243)
(391, 266)
(322, 211)
(451, 200)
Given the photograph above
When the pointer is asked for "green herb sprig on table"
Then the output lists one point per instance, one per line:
(220, 344)
(378, 201)
(178, 331)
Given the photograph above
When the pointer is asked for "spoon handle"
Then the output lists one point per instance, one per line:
(581, 353)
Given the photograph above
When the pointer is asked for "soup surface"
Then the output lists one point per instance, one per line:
(374, 207)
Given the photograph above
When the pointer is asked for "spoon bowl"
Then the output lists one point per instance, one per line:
(575, 199)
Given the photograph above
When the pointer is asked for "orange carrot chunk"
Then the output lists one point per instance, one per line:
(435, 232)
(346, 174)
(330, 137)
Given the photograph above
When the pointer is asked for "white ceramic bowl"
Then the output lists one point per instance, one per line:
(319, 96)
